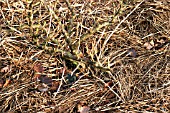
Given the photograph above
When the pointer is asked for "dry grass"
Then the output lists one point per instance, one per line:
(95, 51)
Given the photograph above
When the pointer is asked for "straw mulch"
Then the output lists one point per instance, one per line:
(84, 56)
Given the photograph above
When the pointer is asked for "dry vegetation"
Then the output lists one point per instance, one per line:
(84, 56)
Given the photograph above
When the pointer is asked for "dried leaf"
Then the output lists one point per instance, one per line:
(45, 79)
(132, 52)
(38, 68)
(148, 45)
(42, 88)
(55, 86)
(84, 109)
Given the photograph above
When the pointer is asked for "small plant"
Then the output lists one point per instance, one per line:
(84, 56)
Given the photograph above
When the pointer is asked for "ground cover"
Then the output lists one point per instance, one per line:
(91, 56)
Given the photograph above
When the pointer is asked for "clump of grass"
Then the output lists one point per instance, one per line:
(93, 52)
